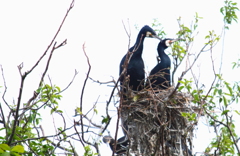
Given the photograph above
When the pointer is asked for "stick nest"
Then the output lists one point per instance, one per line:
(154, 123)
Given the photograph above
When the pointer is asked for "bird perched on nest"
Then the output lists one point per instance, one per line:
(121, 144)
(135, 67)
(160, 74)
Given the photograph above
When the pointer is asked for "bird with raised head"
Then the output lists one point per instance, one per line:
(160, 77)
(121, 144)
(135, 66)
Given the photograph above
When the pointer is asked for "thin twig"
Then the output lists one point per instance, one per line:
(97, 81)
(73, 149)
(81, 100)
(18, 106)
(75, 74)
(48, 63)
(43, 137)
(69, 9)
(215, 77)
(116, 132)
(225, 125)
(3, 97)
(23, 76)
(83, 88)
(184, 72)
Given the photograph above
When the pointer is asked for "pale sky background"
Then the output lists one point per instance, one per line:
(27, 27)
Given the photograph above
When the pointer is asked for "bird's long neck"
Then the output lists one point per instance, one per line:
(138, 46)
(163, 56)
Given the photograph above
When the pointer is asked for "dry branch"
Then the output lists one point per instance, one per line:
(25, 74)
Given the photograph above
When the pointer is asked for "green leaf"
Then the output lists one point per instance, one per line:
(182, 82)
(220, 100)
(5, 147)
(196, 97)
(78, 111)
(225, 101)
(220, 91)
(95, 110)
(52, 110)
(180, 88)
(15, 154)
(6, 154)
(105, 119)
(225, 112)
(60, 111)
(39, 90)
(237, 112)
(184, 114)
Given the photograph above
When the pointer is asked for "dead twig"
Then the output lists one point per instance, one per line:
(3, 97)
(184, 72)
(69, 9)
(75, 74)
(23, 76)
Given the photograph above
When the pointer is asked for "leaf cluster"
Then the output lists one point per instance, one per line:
(229, 12)
(5, 150)
(50, 95)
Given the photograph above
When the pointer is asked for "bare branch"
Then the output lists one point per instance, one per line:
(116, 132)
(69, 83)
(3, 97)
(23, 76)
(75, 123)
(18, 106)
(69, 9)
(97, 81)
(184, 72)
(43, 137)
(215, 77)
(74, 151)
(81, 101)
(48, 62)
(83, 88)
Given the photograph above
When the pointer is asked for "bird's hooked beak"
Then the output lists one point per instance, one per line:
(174, 40)
(155, 36)
(171, 41)
(149, 34)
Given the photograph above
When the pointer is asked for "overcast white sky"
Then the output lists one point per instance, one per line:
(27, 27)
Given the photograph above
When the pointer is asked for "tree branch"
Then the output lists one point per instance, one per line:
(23, 76)
(184, 72)
(69, 9)
(3, 97)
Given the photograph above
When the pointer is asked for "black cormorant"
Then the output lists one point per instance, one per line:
(122, 144)
(135, 67)
(160, 74)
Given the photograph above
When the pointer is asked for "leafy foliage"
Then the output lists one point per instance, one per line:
(5, 150)
(157, 26)
(236, 64)
(229, 12)
(49, 95)
(212, 38)
(88, 151)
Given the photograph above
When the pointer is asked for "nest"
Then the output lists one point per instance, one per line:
(154, 123)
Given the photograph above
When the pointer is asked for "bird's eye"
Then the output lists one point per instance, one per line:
(168, 42)
(148, 34)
